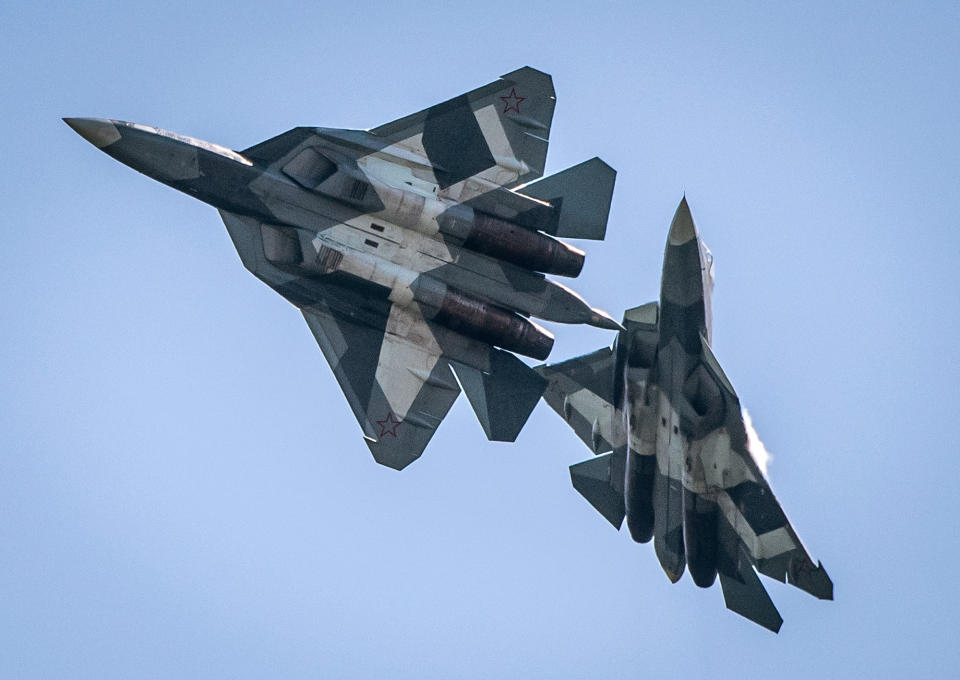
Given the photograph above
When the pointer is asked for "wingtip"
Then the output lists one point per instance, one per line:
(389, 456)
(811, 579)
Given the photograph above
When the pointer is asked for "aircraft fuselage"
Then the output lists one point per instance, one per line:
(664, 470)
(350, 213)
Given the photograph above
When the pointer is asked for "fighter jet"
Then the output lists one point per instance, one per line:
(676, 453)
(411, 249)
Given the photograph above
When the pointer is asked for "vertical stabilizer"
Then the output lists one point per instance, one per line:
(581, 195)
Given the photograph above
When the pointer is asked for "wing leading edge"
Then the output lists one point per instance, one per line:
(752, 513)
(753, 533)
(399, 386)
(497, 134)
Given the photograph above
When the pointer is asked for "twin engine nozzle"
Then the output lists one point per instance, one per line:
(516, 244)
(482, 321)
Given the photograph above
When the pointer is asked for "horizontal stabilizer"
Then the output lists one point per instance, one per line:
(645, 316)
(581, 390)
(748, 598)
(742, 591)
(504, 397)
(582, 195)
(596, 480)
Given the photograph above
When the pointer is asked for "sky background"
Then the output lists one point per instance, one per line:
(185, 493)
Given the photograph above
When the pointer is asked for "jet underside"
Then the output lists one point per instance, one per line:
(673, 452)
(419, 253)
(414, 250)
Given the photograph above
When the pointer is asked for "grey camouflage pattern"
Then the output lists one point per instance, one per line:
(673, 452)
(411, 249)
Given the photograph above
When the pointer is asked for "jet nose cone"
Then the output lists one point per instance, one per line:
(682, 229)
(98, 131)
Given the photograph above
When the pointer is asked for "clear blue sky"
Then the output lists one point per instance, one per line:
(184, 492)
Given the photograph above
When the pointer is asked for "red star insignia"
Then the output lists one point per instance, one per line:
(389, 425)
(512, 102)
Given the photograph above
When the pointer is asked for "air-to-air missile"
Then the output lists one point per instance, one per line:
(411, 249)
(677, 457)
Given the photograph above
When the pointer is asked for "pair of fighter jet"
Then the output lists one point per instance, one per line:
(417, 252)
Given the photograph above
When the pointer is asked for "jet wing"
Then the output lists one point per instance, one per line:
(588, 391)
(754, 530)
(395, 378)
(581, 390)
(496, 135)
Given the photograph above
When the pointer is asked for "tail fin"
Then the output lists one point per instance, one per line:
(600, 481)
(504, 397)
(581, 195)
(742, 591)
